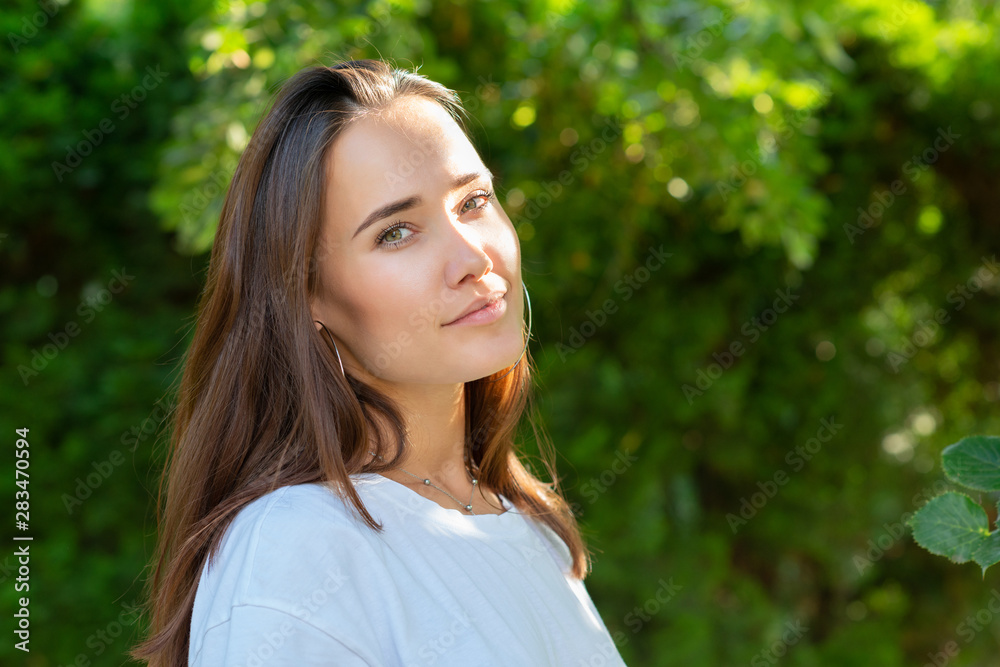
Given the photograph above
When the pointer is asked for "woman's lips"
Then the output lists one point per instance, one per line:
(489, 313)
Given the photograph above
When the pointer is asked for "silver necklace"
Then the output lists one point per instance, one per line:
(427, 482)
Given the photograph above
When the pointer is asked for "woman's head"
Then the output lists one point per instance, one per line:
(411, 237)
(262, 401)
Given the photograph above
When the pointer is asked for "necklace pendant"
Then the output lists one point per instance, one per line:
(468, 507)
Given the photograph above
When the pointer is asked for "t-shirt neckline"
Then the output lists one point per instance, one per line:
(405, 495)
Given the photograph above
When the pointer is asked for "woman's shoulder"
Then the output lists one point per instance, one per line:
(292, 538)
(291, 552)
(295, 506)
(285, 513)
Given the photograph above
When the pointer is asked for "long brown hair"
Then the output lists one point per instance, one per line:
(262, 402)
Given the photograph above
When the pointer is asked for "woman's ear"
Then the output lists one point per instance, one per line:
(313, 313)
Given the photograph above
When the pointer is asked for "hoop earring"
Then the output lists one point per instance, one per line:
(526, 338)
(527, 300)
(330, 336)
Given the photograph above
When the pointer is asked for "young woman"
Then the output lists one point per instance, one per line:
(343, 486)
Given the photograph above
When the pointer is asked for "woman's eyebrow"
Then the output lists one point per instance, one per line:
(415, 200)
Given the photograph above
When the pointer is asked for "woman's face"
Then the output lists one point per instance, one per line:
(388, 296)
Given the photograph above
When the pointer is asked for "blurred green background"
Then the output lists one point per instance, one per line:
(743, 424)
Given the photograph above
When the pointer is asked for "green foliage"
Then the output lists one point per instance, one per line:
(974, 462)
(767, 146)
(953, 524)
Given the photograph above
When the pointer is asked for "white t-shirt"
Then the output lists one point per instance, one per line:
(300, 581)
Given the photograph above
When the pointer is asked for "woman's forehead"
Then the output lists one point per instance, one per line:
(378, 160)
(411, 130)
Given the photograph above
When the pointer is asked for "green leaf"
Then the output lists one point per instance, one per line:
(974, 462)
(951, 525)
(988, 553)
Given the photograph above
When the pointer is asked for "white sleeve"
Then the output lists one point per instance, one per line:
(260, 635)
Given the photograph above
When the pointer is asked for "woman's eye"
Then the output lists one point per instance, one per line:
(387, 238)
(488, 196)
